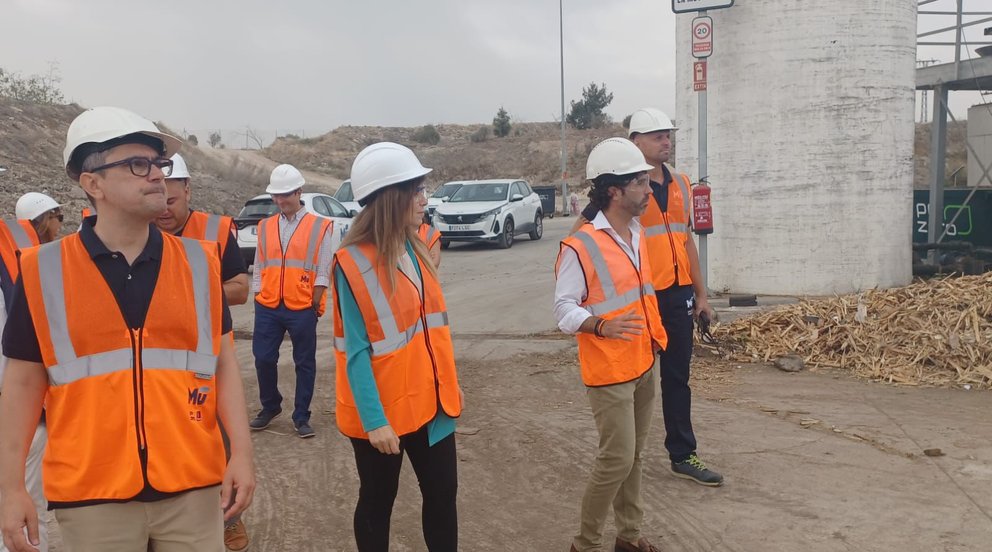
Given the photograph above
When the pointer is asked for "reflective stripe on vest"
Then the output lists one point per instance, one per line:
(613, 301)
(661, 230)
(21, 238)
(69, 367)
(213, 226)
(306, 264)
(395, 339)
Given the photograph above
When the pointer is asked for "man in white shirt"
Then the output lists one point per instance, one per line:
(604, 296)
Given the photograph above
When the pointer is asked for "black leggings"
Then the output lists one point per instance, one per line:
(379, 474)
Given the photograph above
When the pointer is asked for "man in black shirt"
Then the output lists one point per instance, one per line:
(126, 467)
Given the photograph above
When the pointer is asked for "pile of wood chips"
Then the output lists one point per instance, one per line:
(934, 333)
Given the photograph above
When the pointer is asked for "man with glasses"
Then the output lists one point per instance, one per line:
(39, 220)
(123, 334)
(291, 275)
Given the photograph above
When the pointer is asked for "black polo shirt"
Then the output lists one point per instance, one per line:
(231, 263)
(659, 191)
(132, 286)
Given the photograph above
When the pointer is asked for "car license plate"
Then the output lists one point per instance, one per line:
(460, 227)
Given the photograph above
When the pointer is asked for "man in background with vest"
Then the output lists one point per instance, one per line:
(38, 221)
(180, 220)
(122, 332)
(291, 275)
(603, 295)
(679, 283)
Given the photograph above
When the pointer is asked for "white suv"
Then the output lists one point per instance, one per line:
(490, 210)
(262, 206)
(345, 197)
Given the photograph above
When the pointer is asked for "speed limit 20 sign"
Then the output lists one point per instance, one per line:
(702, 37)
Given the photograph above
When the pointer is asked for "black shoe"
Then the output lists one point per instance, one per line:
(304, 430)
(692, 468)
(263, 419)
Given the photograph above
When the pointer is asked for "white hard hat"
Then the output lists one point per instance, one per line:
(33, 204)
(100, 128)
(617, 156)
(284, 179)
(179, 170)
(381, 165)
(649, 119)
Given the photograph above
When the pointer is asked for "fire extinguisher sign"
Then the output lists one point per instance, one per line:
(702, 209)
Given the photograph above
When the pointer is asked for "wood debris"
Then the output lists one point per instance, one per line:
(933, 333)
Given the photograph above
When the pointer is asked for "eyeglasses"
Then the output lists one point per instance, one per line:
(421, 191)
(140, 166)
(56, 215)
(644, 179)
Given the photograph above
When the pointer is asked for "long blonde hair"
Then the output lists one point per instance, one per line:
(384, 223)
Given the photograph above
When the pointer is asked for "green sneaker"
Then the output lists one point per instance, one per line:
(692, 468)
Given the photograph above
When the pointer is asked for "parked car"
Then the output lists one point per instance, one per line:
(345, 197)
(490, 210)
(262, 206)
(439, 196)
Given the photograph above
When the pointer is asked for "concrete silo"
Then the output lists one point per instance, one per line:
(810, 123)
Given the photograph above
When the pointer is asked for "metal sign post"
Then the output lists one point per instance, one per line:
(702, 47)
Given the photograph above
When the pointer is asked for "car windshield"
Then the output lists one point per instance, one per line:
(344, 192)
(480, 192)
(446, 190)
(259, 208)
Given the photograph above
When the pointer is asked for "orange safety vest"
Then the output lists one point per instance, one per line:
(412, 357)
(127, 407)
(203, 226)
(429, 234)
(15, 235)
(289, 278)
(87, 212)
(667, 234)
(615, 286)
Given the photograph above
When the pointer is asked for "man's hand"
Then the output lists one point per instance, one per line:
(622, 326)
(17, 514)
(384, 440)
(238, 488)
(702, 305)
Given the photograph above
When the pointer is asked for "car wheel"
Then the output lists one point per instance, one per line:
(506, 238)
(445, 244)
(538, 230)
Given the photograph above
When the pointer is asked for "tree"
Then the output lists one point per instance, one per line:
(192, 139)
(626, 121)
(426, 134)
(501, 123)
(588, 112)
(215, 140)
(42, 89)
(480, 135)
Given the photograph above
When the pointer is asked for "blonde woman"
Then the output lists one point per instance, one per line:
(397, 387)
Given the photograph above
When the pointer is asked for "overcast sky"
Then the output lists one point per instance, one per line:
(310, 65)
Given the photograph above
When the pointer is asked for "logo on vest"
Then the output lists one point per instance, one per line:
(197, 397)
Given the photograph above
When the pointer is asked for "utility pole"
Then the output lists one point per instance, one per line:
(923, 100)
(561, 50)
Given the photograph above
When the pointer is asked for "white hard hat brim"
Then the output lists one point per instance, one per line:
(270, 189)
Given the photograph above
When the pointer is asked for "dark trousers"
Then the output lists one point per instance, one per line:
(271, 326)
(676, 304)
(379, 474)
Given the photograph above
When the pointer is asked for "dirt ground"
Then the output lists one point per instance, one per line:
(813, 461)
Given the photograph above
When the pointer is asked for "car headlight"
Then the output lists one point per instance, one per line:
(492, 212)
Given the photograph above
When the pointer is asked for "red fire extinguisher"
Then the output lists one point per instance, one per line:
(702, 208)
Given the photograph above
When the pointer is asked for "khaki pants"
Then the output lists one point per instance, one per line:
(623, 418)
(190, 522)
(32, 481)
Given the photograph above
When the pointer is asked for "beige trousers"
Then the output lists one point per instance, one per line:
(623, 418)
(190, 522)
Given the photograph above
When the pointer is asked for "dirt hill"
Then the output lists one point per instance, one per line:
(531, 151)
(32, 137)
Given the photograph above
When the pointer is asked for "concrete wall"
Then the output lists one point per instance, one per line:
(980, 138)
(811, 108)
